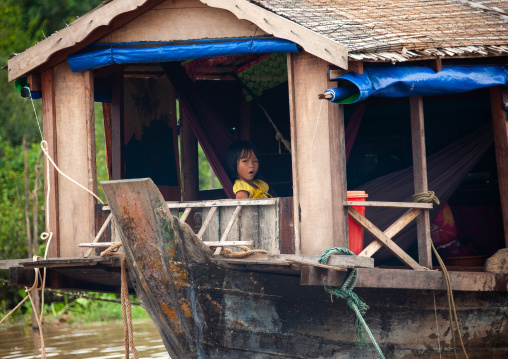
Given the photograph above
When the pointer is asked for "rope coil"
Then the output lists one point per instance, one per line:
(243, 252)
(426, 197)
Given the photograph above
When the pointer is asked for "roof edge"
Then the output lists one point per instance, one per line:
(72, 35)
(314, 43)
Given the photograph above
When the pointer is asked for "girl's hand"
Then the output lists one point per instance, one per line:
(242, 195)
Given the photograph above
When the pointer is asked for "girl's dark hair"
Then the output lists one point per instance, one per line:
(235, 152)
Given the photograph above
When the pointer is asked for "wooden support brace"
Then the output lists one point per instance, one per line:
(185, 214)
(206, 222)
(391, 231)
(228, 228)
(379, 235)
(101, 231)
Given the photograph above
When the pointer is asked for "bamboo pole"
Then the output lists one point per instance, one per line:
(27, 201)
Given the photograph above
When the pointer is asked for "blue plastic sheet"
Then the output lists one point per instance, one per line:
(98, 55)
(415, 81)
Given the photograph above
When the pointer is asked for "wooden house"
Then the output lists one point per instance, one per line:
(262, 64)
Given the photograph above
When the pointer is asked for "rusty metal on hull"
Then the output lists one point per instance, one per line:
(204, 310)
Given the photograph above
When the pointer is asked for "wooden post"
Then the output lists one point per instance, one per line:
(189, 148)
(117, 131)
(498, 99)
(244, 133)
(420, 178)
(318, 171)
(76, 157)
(51, 183)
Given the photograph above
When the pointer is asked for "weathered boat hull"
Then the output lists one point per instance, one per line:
(204, 310)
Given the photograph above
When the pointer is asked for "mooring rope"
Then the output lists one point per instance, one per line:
(126, 303)
(352, 300)
(45, 236)
(428, 197)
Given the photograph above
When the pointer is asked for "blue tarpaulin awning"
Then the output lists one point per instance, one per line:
(415, 81)
(104, 54)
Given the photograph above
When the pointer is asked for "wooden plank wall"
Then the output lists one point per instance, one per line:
(176, 20)
(75, 143)
(318, 158)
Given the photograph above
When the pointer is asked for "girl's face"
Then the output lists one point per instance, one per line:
(247, 167)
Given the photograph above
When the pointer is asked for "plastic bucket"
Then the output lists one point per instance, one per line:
(355, 230)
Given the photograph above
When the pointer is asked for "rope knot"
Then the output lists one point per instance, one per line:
(426, 197)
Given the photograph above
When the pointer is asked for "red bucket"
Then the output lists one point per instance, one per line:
(355, 230)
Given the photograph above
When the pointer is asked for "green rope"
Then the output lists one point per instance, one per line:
(426, 197)
(352, 300)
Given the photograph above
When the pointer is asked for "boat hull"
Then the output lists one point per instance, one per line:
(205, 310)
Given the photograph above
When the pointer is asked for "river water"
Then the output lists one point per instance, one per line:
(80, 341)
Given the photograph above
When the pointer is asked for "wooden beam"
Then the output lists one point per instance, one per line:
(313, 43)
(499, 100)
(420, 178)
(294, 158)
(51, 183)
(117, 129)
(407, 279)
(189, 148)
(34, 82)
(436, 64)
(334, 260)
(318, 177)
(389, 204)
(337, 150)
(379, 235)
(356, 66)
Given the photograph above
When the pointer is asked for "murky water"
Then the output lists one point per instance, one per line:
(80, 341)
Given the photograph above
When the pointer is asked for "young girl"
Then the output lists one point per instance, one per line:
(243, 164)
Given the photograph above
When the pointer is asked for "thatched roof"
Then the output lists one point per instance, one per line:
(403, 29)
(364, 30)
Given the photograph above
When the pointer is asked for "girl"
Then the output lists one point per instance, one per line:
(243, 164)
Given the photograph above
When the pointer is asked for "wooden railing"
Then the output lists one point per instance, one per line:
(385, 238)
(261, 223)
(253, 222)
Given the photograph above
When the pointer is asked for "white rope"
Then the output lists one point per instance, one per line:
(44, 146)
(45, 236)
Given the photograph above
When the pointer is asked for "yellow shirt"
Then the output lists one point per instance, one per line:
(260, 192)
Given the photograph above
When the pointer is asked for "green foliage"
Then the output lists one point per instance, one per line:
(205, 182)
(13, 236)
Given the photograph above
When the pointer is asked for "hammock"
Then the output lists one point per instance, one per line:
(445, 171)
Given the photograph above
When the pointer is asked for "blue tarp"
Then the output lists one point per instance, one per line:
(415, 81)
(98, 55)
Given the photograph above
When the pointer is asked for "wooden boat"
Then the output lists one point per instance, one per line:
(265, 306)
(207, 308)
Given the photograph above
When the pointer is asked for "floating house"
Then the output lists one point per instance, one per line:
(391, 99)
